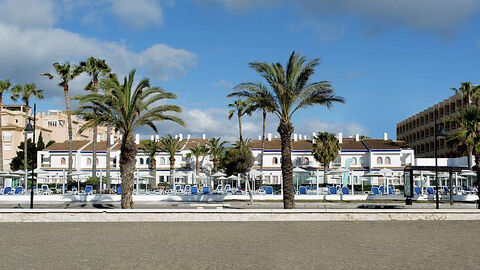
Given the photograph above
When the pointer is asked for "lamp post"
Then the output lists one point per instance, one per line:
(438, 133)
(30, 130)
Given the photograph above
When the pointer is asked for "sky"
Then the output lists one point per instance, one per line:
(389, 59)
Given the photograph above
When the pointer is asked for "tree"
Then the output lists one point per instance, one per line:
(171, 145)
(127, 108)
(26, 93)
(239, 108)
(291, 90)
(216, 148)
(256, 95)
(238, 159)
(65, 74)
(95, 68)
(151, 148)
(469, 136)
(469, 91)
(5, 86)
(18, 162)
(197, 151)
(325, 149)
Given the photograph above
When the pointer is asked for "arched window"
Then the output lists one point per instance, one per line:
(299, 161)
(162, 161)
(387, 161)
(141, 161)
(354, 161)
(274, 160)
(360, 161)
(148, 161)
(306, 161)
(63, 161)
(96, 161)
(379, 160)
(89, 161)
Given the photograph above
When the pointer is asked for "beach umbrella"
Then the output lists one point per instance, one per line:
(232, 177)
(468, 173)
(218, 174)
(299, 170)
(222, 178)
(373, 174)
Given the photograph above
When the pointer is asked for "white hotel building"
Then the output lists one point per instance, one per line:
(364, 155)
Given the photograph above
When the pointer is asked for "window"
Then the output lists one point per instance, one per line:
(360, 161)
(354, 161)
(275, 180)
(274, 160)
(387, 161)
(306, 161)
(63, 161)
(141, 161)
(8, 147)
(162, 161)
(96, 161)
(89, 161)
(299, 161)
(379, 160)
(148, 161)
(7, 136)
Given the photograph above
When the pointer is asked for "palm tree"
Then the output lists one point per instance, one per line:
(239, 108)
(151, 147)
(215, 147)
(325, 149)
(4, 87)
(26, 93)
(469, 91)
(469, 136)
(290, 92)
(256, 95)
(197, 151)
(171, 145)
(95, 68)
(65, 73)
(127, 108)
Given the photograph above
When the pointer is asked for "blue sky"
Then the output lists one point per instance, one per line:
(388, 58)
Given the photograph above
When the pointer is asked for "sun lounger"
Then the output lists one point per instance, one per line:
(375, 191)
(218, 190)
(332, 190)
(18, 191)
(228, 188)
(88, 190)
(303, 190)
(179, 190)
(345, 190)
(119, 190)
(194, 190)
(417, 191)
(187, 189)
(430, 191)
(205, 190)
(7, 190)
(268, 190)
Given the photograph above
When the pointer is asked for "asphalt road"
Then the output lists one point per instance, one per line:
(239, 245)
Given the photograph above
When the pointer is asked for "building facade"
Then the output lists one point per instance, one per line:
(418, 131)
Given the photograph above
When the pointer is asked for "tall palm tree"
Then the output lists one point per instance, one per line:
(469, 136)
(256, 95)
(216, 147)
(151, 148)
(95, 68)
(197, 151)
(5, 86)
(126, 108)
(325, 149)
(291, 90)
(469, 91)
(65, 73)
(171, 145)
(239, 108)
(26, 93)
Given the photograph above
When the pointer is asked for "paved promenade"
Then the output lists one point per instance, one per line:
(242, 245)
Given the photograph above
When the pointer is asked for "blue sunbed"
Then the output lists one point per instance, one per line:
(194, 190)
(206, 190)
(375, 191)
(345, 190)
(303, 190)
(7, 190)
(18, 190)
(430, 191)
(332, 190)
(119, 190)
(268, 190)
(417, 191)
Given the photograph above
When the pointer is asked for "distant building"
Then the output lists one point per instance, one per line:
(417, 131)
(52, 124)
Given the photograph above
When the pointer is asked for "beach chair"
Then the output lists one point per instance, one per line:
(188, 188)
(88, 190)
(417, 191)
(218, 190)
(7, 190)
(375, 191)
(228, 188)
(268, 190)
(119, 190)
(205, 190)
(332, 190)
(303, 190)
(381, 189)
(179, 190)
(18, 191)
(446, 190)
(390, 191)
(430, 191)
(46, 190)
(194, 190)
(345, 190)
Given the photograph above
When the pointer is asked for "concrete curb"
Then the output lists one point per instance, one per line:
(232, 215)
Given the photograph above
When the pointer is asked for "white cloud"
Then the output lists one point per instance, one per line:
(27, 13)
(139, 13)
(224, 84)
(241, 5)
(35, 50)
(325, 32)
(348, 129)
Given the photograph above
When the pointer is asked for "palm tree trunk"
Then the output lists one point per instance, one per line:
(107, 165)
(25, 146)
(153, 170)
(172, 168)
(197, 166)
(240, 126)
(477, 168)
(285, 129)
(95, 134)
(263, 145)
(70, 136)
(128, 153)
(325, 168)
(215, 164)
(1, 133)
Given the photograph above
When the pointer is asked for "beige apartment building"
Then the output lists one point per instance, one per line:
(52, 124)
(418, 130)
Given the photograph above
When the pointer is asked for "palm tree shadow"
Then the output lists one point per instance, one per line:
(102, 206)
